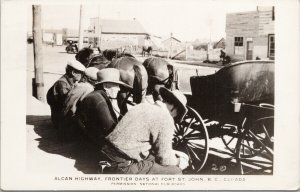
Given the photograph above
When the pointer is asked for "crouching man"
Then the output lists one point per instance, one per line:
(96, 114)
(58, 93)
(142, 141)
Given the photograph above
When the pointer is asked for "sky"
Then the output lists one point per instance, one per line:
(188, 20)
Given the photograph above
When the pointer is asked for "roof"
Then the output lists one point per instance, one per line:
(111, 26)
(75, 33)
(172, 38)
(220, 44)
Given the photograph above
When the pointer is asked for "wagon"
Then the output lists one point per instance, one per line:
(237, 105)
(72, 46)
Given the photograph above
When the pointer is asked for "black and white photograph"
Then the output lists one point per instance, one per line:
(152, 95)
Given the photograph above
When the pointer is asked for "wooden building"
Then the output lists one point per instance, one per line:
(117, 33)
(220, 44)
(250, 35)
(173, 45)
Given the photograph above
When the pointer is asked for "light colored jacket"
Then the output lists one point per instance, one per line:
(144, 128)
(77, 93)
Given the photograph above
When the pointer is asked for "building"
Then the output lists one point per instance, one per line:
(250, 35)
(173, 45)
(73, 35)
(220, 44)
(117, 33)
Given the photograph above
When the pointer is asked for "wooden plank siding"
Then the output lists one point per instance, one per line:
(253, 26)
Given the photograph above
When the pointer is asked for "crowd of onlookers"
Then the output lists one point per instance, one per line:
(140, 142)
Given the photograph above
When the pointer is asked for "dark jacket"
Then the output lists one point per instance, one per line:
(97, 116)
(56, 97)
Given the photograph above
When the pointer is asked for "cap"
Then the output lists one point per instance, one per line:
(76, 65)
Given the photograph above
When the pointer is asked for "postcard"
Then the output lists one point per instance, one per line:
(150, 95)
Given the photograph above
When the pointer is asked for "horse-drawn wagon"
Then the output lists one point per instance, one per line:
(236, 104)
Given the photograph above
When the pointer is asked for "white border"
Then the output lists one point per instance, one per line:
(13, 110)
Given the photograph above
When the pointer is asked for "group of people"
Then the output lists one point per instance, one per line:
(82, 106)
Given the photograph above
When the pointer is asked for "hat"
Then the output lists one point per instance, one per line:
(91, 72)
(177, 99)
(76, 65)
(110, 75)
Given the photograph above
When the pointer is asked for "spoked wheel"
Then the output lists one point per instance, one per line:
(191, 137)
(254, 150)
(230, 140)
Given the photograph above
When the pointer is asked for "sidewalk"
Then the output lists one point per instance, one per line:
(45, 153)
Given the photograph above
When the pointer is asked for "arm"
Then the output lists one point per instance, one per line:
(104, 120)
(163, 143)
(61, 91)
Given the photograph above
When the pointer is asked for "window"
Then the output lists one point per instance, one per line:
(271, 47)
(238, 45)
(238, 41)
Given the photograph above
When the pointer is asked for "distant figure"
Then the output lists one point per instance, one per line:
(222, 56)
(147, 47)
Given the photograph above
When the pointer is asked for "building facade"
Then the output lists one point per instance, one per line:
(117, 33)
(173, 45)
(250, 35)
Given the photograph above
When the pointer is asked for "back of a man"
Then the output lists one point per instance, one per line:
(56, 97)
(143, 126)
(96, 114)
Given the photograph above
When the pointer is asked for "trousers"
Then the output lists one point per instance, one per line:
(121, 164)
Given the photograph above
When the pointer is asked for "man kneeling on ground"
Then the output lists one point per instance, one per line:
(96, 113)
(142, 141)
(58, 93)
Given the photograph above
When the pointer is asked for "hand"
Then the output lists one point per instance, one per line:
(183, 159)
(183, 163)
(180, 154)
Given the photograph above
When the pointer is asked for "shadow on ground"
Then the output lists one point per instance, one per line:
(83, 152)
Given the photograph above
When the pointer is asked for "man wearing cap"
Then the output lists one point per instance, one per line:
(57, 94)
(141, 143)
(96, 113)
(70, 129)
(80, 90)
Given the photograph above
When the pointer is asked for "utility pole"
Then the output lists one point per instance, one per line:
(170, 48)
(186, 51)
(38, 81)
(99, 28)
(80, 41)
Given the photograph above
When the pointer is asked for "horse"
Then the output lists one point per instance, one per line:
(160, 74)
(132, 72)
(110, 54)
(146, 49)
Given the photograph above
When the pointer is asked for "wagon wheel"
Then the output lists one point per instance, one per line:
(191, 137)
(230, 140)
(254, 149)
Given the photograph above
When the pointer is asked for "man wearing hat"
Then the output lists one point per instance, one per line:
(96, 113)
(57, 94)
(141, 143)
(80, 90)
(70, 128)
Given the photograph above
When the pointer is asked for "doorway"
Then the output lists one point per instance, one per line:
(249, 55)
